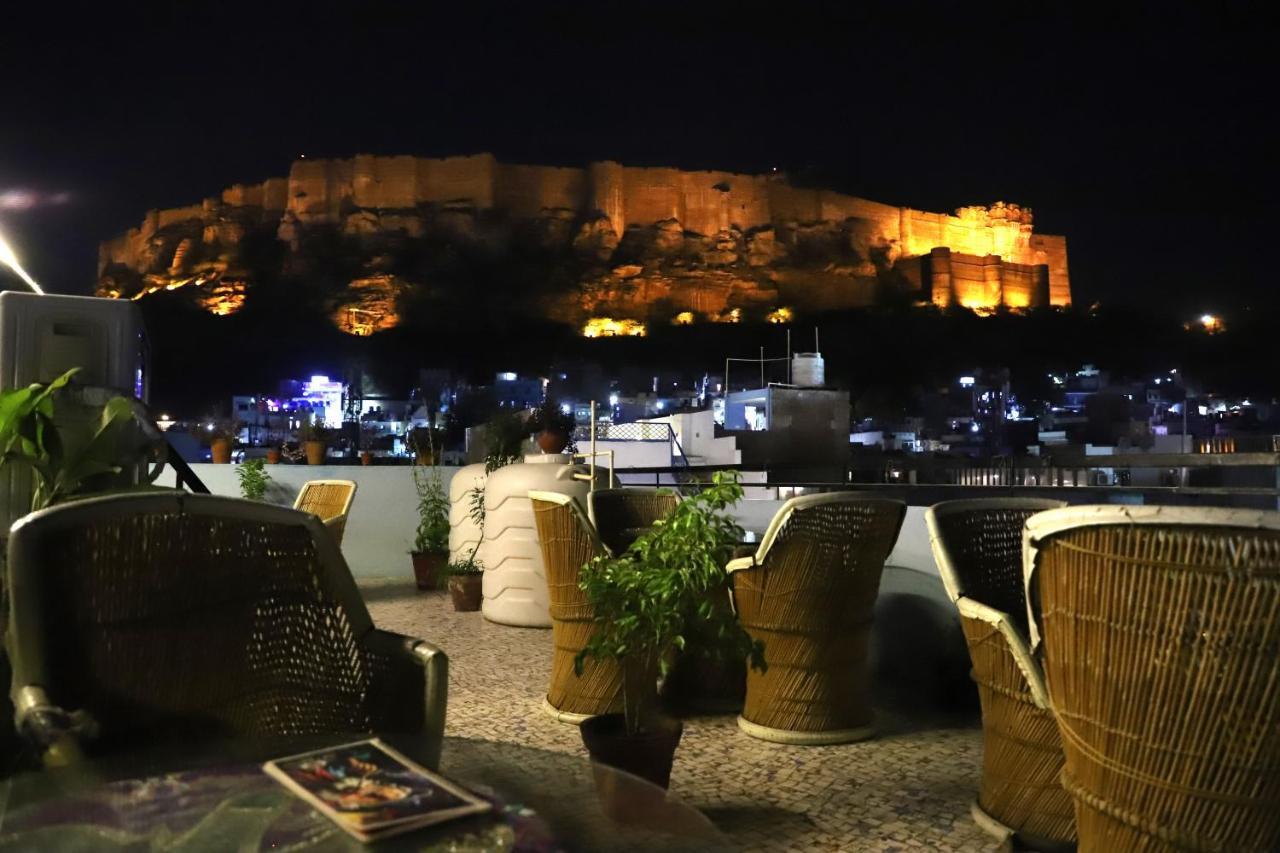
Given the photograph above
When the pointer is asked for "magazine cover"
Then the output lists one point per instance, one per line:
(370, 790)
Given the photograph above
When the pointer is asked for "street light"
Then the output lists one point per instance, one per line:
(9, 259)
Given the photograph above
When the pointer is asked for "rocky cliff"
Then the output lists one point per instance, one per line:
(374, 238)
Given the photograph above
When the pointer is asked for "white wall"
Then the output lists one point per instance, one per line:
(384, 514)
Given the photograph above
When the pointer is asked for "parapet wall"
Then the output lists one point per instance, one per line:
(706, 203)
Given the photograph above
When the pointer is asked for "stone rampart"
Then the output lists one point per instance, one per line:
(706, 203)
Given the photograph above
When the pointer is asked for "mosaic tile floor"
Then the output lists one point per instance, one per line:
(909, 789)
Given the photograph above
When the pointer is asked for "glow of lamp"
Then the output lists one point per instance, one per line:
(9, 259)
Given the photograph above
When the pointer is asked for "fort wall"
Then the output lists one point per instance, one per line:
(703, 202)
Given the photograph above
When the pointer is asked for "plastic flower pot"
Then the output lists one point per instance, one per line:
(366, 458)
(315, 452)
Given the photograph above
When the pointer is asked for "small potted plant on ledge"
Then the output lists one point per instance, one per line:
(273, 455)
(552, 426)
(314, 439)
(431, 542)
(222, 438)
(646, 601)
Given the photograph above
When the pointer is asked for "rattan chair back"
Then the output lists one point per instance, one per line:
(1159, 630)
(621, 515)
(977, 545)
(808, 594)
(330, 500)
(568, 540)
(189, 617)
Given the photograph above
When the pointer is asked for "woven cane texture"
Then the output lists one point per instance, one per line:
(1161, 647)
(621, 515)
(330, 500)
(810, 599)
(978, 545)
(182, 625)
(567, 543)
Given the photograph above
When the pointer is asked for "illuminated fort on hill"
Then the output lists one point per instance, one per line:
(639, 241)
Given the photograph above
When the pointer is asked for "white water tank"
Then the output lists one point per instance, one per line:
(463, 532)
(515, 582)
(807, 369)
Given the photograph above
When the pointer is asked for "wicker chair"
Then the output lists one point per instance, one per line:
(808, 594)
(1161, 651)
(568, 541)
(978, 548)
(621, 515)
(330, 500)
(173, 617)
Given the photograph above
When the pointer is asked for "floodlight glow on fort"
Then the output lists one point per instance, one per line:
(10, 260)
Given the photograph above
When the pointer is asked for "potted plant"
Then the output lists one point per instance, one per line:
(314, 439)
(273, 455)
(431, 541)
(222, 438)
(646, 601)
(426, 444)
(553, 426)
(254, 479)
(466, 584)
(72, 461)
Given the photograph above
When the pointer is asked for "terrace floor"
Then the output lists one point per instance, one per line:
(908, 789)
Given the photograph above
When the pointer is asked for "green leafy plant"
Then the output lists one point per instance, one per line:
(549, 416)
(309, 430)
(223, 428)
(649, 599)
(467, 566)
(70, 461)
(432, 535)
(254, 479)
(505, 435)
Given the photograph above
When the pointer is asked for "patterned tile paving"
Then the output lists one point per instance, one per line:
(909, 789)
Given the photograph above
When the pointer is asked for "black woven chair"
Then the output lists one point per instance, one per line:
(621, 515)
(150, 618)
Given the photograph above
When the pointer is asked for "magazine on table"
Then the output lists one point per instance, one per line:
(371, 791)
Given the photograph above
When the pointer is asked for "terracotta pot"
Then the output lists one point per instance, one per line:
(366, 458)
(315, 452)
(427, 566)
(648, 755)
(466, 591)
(553, 441)
(220, 451)
(273, 456)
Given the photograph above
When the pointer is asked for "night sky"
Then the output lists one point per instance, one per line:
(1148, 140)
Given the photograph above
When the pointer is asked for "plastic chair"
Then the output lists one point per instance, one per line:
(330, 500)
(176, 617)
(977, 545)
(568, 541)
(808, 594)
(1159, 633)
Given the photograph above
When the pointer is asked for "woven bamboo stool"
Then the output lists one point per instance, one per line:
(568, 541)
(1159, 630)
(621, 515)
(330, 500)
(808, 594)
(977, 545)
